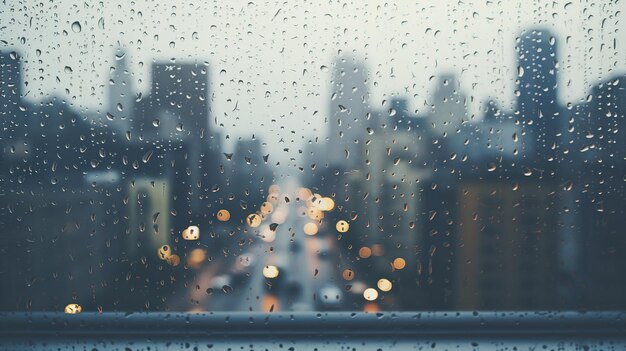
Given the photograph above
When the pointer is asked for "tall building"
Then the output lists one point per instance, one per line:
(10, 84)
(121, 94)
(348, 112)
(599, 190)
(176, 110)
(448, 106)
(179, 97)
(505, 252)
(495, 139)
(12, 128)
(537, 90)
(385, 195)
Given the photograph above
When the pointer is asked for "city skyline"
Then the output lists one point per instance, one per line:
(442, 204)
(403, 44)
(283, 153)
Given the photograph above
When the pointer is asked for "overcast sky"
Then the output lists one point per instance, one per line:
(266, 57)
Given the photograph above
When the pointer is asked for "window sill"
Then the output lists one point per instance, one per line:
(313, 330)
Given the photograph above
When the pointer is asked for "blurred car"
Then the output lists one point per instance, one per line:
(329, 297)
(221, 283)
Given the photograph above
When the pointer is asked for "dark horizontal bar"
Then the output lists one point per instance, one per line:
(403, 324)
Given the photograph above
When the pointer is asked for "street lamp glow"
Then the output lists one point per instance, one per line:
(399, 263)
(310, 229)
(370, 294)
(270, 272)
(384, 284)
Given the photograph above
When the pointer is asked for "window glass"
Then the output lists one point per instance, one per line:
(303, 156)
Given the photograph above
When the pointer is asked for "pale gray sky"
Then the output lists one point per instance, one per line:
(266, 56)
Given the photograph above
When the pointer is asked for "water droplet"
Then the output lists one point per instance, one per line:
(76, 28)
(146, 156)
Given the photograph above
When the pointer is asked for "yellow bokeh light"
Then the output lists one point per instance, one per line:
(342, 226)
(315, 214)
(384, 284)
(365, 252)
(303, 194)
(310, 229)
(370, 294)
(173, 260)
(399, 263)
(267, 207)
(270, 272)
(348, 274)
(196, 257)
(191, 233)
(273, 198)
(164, 252)
(223, 215)
(73, 308)
(267, 234)
(327, 204)
(253, 220)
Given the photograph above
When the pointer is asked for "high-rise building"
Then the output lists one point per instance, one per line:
(537, 90)
(176, 110)
(348, 112)
(448, 106)
(599, 191)
(179, 96)
(10, 84)
(121, 97)
(505, 251)
(385, 194)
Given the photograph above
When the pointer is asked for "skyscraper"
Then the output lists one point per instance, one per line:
(121, 97)
(348, 111)
(537, 89)
(505, 251)
(10, 85)
(449, 105)
(178, 101)
(176, 110)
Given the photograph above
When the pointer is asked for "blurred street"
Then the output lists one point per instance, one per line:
(306, 281)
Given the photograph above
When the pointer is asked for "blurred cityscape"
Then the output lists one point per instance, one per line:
(509, 210)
